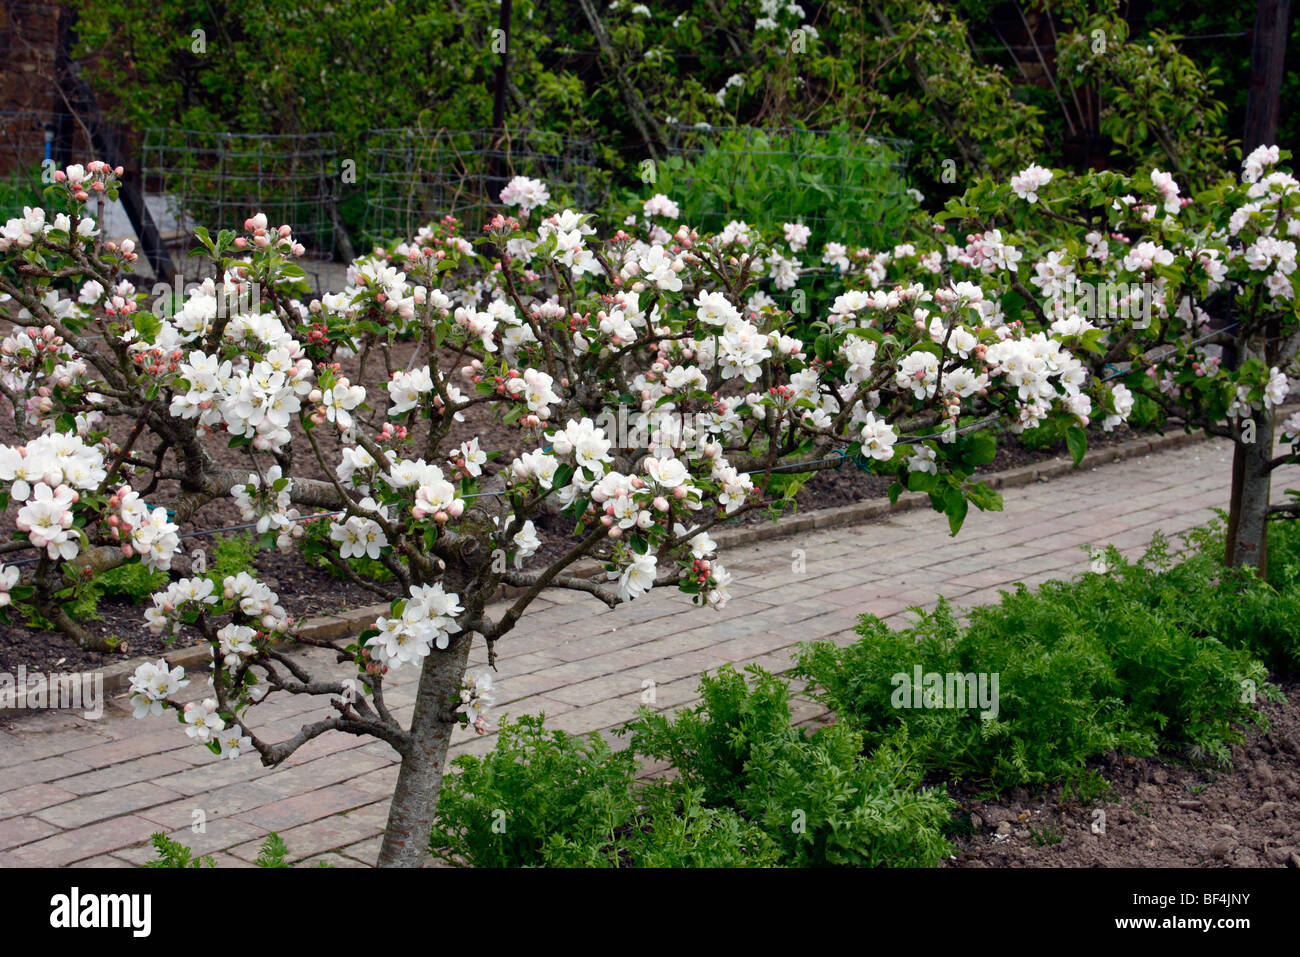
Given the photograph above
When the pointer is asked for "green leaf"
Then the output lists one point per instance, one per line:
(146, 324)
(921, 482)
(563, 475)
(1077, 441)
(984, 447)
(983, 497)
(956, 507)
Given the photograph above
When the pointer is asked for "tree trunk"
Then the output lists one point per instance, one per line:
(1248, 535)
(410, 816)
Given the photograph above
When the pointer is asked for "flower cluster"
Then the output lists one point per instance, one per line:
(266, 501)
(476, 698)
(152, 684)
(425, 621)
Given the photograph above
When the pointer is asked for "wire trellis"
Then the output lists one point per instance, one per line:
(413, 176)
(218, 180)
(23, 148)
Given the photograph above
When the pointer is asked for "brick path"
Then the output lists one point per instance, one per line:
(74, 791)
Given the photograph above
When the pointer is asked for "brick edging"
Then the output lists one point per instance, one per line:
(117, 677)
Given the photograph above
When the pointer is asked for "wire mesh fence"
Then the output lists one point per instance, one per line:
(26, 139)
(220, 179)
(414, 176)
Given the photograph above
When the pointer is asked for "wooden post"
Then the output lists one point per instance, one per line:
(1267, 55)
(495, 167)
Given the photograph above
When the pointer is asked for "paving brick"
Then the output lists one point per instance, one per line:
(16, 831)
(98, 807)
(79, 844)
(222, 802)
(147, 768)
(327, 834)
(40, 771)
(311, 806)
(33, 797)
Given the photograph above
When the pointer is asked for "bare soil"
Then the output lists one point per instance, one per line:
(1159, 812)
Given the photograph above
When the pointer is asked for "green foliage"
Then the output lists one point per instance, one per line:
(1160, 108)
(837, 184)
(169, 853)
(751, 790)
(539, 792)
(175, 854)
(683, 832)
(232, 554)
(1150, 655)
(19, 189)
(1048, 436)
(712, 744)
(131, 582)
(818, 799)
(272, 852)
(824, 804)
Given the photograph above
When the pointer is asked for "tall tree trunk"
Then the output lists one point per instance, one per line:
(410, 816)
(1248, 534)
(1247, 530)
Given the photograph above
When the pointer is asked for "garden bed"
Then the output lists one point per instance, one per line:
(1158, 812)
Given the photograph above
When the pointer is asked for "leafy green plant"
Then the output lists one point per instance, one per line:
(232, 554)
(1140, 658)
(750, 790)
(824, 804)
(674, 829)
(169, 853)
(272, 852)
(819, 800)
(1086, 787)
(132, 582)
(539, 793)
(711, 745)
(836, 183)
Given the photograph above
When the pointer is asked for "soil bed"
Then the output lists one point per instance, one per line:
(1158, 812)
